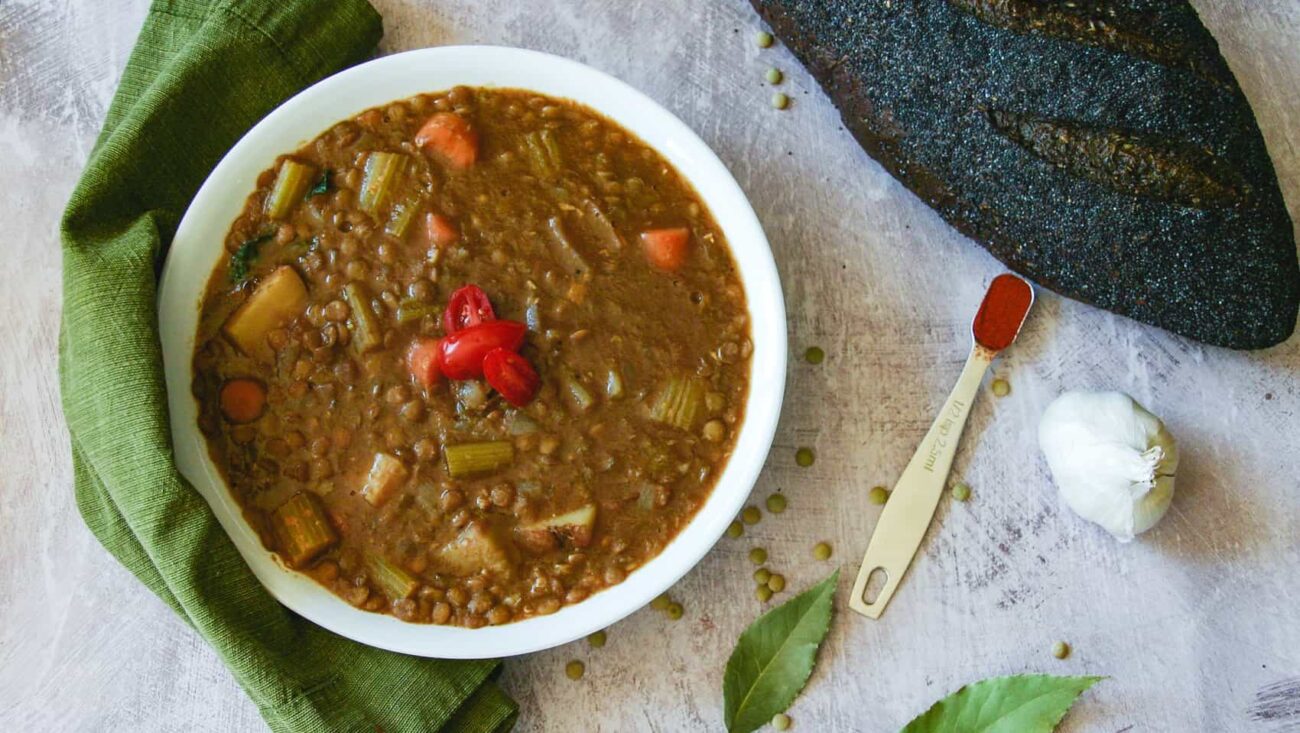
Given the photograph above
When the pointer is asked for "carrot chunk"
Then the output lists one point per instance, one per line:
(667, 249)
(242, 400)
(422, 361)
(440, 230)
(450, 137)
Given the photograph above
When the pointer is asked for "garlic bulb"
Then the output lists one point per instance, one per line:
(1113, 461)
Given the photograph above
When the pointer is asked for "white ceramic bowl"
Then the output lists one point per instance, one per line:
(198, 245)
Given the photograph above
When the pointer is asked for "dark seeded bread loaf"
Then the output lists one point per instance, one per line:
(1100, 147)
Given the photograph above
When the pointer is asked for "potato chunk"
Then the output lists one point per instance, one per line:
(575, 526)
(477, 547)
(386, 476)
(278, 299)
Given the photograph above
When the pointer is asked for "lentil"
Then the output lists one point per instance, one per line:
(961, 491)
(574, 670)
(804, 457)
(776, 503)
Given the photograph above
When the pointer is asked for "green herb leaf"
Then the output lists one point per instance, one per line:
(1026, 703)
(775, 656)
(243, 257)
(322, 184)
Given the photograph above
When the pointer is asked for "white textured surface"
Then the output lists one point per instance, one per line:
(1196, 624)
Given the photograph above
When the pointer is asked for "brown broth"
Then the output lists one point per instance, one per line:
(330, 408)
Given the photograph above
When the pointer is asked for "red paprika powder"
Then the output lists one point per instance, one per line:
(1003, 311)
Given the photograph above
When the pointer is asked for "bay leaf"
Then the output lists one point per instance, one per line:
(1027, 703)
(775, 656)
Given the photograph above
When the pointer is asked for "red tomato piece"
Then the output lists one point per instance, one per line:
(450, 137)
(667, 249)
(468, 306)
(511, 375)
(440, 230)
(422, 361)
(462, 352)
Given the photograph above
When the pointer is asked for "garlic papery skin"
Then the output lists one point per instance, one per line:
(1113, 461)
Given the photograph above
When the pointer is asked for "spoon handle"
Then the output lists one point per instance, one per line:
(911, 504)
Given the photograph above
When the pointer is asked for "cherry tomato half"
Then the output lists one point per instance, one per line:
(422, 361)
(469, 306)
(463, 351)
(511, 375)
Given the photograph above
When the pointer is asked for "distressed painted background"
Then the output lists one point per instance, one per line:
(1197, 625)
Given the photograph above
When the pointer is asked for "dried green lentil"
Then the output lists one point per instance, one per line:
(573, 670)
(761, 575)
(675, 611)
(822, 551)
(763, 593)
(814, 355)
(780, 100)
(774, 76)
(763, 39)
(758, 556)
(960, 491)
(735, 529)
(751, 515)
(596, 639)
(1001, 387)
(776, 583)
(781, 721)
(804, 457)
(776, 503)
(878, 495)
(1060, 650)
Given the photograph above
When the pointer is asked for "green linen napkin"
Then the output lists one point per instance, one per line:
(200, 75)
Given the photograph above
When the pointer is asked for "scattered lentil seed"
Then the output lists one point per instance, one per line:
(758, 556)
(675, 610)
(776, 583)
(735, 529)
(573, 670)
(1060, 650)
(764, 39)
(774, 76)
(780, 100)
(763, 593)
(596, 639)
(751, 515)
(822, 551)
(781, 721)
(776, 503)
(804, 457)
(661, 602)
(878, 495)
(814, 355)
(762, 575)
(1001, 387)
(960, 491)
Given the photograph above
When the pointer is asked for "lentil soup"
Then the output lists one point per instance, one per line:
(472, 356)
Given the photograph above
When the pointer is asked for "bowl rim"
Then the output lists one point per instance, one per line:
(196, 248)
